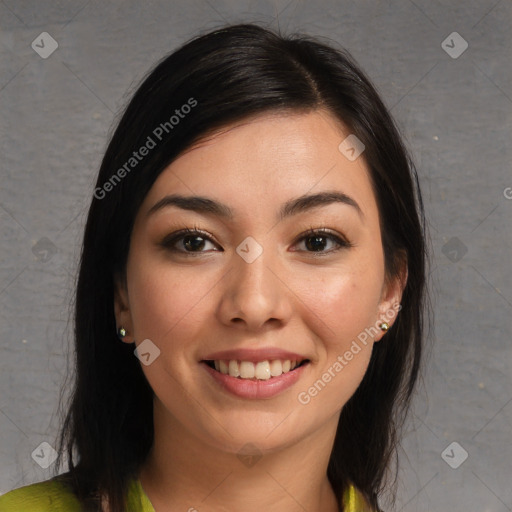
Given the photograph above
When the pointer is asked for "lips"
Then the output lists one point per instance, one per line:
(260, 373)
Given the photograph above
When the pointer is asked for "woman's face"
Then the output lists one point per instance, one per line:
(253, 292)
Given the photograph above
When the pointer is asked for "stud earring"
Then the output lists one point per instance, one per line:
(384, 326)
(121, 332)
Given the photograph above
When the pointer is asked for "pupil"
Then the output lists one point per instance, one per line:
(316, 245)
(197, 242)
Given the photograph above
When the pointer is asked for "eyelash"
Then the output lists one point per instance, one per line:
(170, 240)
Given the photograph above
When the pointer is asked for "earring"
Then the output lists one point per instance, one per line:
(384, 326)
(121, 332)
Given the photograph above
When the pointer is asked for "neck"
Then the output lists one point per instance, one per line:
(183, 472)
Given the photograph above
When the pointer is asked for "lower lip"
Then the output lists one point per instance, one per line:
(256, 389)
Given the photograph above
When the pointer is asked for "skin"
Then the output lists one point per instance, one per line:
(192, 305)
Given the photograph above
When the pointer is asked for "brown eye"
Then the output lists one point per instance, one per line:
(187, 241)
(317, 241)
(194, 241)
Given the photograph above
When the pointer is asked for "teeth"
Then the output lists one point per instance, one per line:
(276, 368)
(262, 370)
(246, 369)
(223, 367)
(233, 369)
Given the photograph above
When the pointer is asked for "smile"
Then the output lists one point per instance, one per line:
(262, 370)
(256, 380)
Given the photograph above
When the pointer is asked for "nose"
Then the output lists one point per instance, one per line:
(255, 295)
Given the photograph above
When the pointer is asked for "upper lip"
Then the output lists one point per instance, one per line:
(254, 355)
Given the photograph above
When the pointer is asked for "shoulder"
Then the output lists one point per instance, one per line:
(47, 496)
(354, 501)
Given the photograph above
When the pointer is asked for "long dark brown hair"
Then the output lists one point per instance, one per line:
(225, 76)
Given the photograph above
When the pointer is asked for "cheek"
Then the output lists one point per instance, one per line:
(164, 299)
(344, 301)
(168, 307)
(342, 310)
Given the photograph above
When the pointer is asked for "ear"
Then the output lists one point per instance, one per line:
(122, 308)
(392, 290)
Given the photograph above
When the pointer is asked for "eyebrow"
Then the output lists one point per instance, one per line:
(292, 207)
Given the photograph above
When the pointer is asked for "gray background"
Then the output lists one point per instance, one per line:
(456, 116)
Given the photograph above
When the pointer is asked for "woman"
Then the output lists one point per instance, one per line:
(255, 241)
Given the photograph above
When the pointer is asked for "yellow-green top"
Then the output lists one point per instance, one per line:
(53, 496)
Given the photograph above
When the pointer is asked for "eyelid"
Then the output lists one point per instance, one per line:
(323, 230)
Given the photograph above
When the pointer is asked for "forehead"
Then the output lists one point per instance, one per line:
(267, 159)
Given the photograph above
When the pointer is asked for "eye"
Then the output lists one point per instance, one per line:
(187, 241)
(194, 241)
(317, 240)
